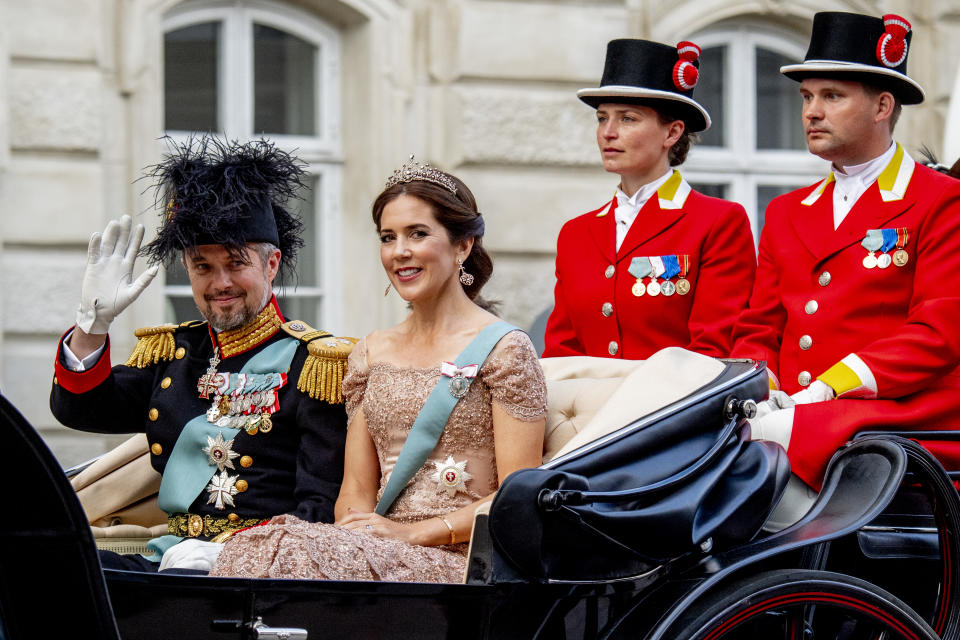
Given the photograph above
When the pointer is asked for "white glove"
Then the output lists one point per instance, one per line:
(776, 426)
(775, 401)
(108, 285)
(816, 392)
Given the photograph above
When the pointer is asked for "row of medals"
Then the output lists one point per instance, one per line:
(900, 258)
(250, 412)
(654, 288)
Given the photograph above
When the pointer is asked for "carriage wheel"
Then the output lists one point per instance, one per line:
(797, 604)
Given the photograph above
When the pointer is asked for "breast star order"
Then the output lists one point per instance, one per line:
(222, 490)
(220, 452)
(451, 476)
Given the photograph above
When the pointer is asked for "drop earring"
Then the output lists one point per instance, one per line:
(387, 290)
(466, 279)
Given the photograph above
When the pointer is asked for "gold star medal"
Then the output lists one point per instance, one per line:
(451, 476)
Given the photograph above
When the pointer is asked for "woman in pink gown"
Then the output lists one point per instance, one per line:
(431, 249)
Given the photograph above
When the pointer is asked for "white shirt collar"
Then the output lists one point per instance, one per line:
(853, 181)
(629, 206)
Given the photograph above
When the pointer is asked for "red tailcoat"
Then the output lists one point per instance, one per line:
(902, 321)
(676, 221)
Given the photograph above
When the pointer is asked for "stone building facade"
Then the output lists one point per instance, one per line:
(483, 88)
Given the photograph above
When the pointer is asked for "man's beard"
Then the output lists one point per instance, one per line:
(230, 320)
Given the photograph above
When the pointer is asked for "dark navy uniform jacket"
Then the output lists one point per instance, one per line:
(295, 468)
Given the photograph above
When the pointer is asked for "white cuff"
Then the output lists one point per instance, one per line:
(776, 426)
(868, 387)
(72, 362)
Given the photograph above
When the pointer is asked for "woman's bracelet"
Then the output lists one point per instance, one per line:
(453, 534)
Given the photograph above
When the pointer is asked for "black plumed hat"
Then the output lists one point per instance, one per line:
(863, 48)
(652, 74)
(214, 191)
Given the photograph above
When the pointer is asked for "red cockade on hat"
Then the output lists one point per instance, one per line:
(892, 46)
(685, 73)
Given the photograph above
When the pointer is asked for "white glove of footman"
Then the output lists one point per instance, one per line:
(816, 392)
(775, 401)
(108, 284)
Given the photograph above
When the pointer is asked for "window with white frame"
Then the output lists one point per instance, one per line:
(755, 149)
(245, 69)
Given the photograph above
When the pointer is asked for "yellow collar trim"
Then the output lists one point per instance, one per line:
(674, 192)
(818, 191)
(895, 179)
(235, 341)
(607, 207)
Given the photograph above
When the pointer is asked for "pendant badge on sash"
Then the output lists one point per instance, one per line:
(900, 256)
(653, 289)
(211, 380)
(683, 285)
(639, 268)
(671, 268)
(872, 242)
(459, 377)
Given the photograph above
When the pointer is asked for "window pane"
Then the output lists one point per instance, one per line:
(296, 304)
(190, 77)
(778, 104)
(709, 93)
(766, 193)
(715, 190)
(284, 83)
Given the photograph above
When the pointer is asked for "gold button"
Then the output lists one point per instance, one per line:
(609, 272)
(804, 378)
(824, 278)
(156, 449)
(165, 383)
(806, 342)
(613, 347)
(55, 381)
(194, 525)
(180, 353)
(153, 414)
(233, 517)
(606, 309)
(241, 485)
(246, 461)
(252, 431)
(811, 307)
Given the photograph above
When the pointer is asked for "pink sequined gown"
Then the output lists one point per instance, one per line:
(391, 398)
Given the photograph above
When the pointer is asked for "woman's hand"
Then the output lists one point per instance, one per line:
(411, 533)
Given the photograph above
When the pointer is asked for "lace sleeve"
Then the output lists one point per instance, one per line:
(355, 382)
(513, 374)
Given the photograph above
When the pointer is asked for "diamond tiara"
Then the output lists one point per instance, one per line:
(413, 170)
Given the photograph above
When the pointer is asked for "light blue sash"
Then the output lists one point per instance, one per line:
(188, 470)
(426, 430)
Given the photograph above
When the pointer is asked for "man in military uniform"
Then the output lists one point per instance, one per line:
(857, 296)
(243, 412)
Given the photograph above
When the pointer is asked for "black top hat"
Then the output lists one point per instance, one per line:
(646, 72)
(862, 48)
(212, 191)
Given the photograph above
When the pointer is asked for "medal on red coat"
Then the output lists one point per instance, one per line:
(872, 242)
(683, 285)
(671, 268)
(639, 268)
(900, 256)
(654, 288)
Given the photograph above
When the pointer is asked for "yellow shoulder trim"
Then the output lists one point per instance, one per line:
(153, 345)
(325, 366)
(302, 331)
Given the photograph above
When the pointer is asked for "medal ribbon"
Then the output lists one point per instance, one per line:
(684, 261)
(640, 268)
(671, 266)
(890, 237)
(658, 267)
(903, 237)
(451, 370)
(873, 240)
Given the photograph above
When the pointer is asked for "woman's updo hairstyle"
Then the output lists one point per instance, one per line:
(456, 211)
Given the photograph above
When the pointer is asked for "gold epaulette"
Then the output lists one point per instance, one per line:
(326, 363)
(156, 343)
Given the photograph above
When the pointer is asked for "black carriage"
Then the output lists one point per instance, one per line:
(652, 532)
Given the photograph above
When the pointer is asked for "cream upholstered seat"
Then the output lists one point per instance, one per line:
(588, 398)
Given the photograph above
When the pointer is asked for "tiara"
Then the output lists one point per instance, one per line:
(413, 170)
